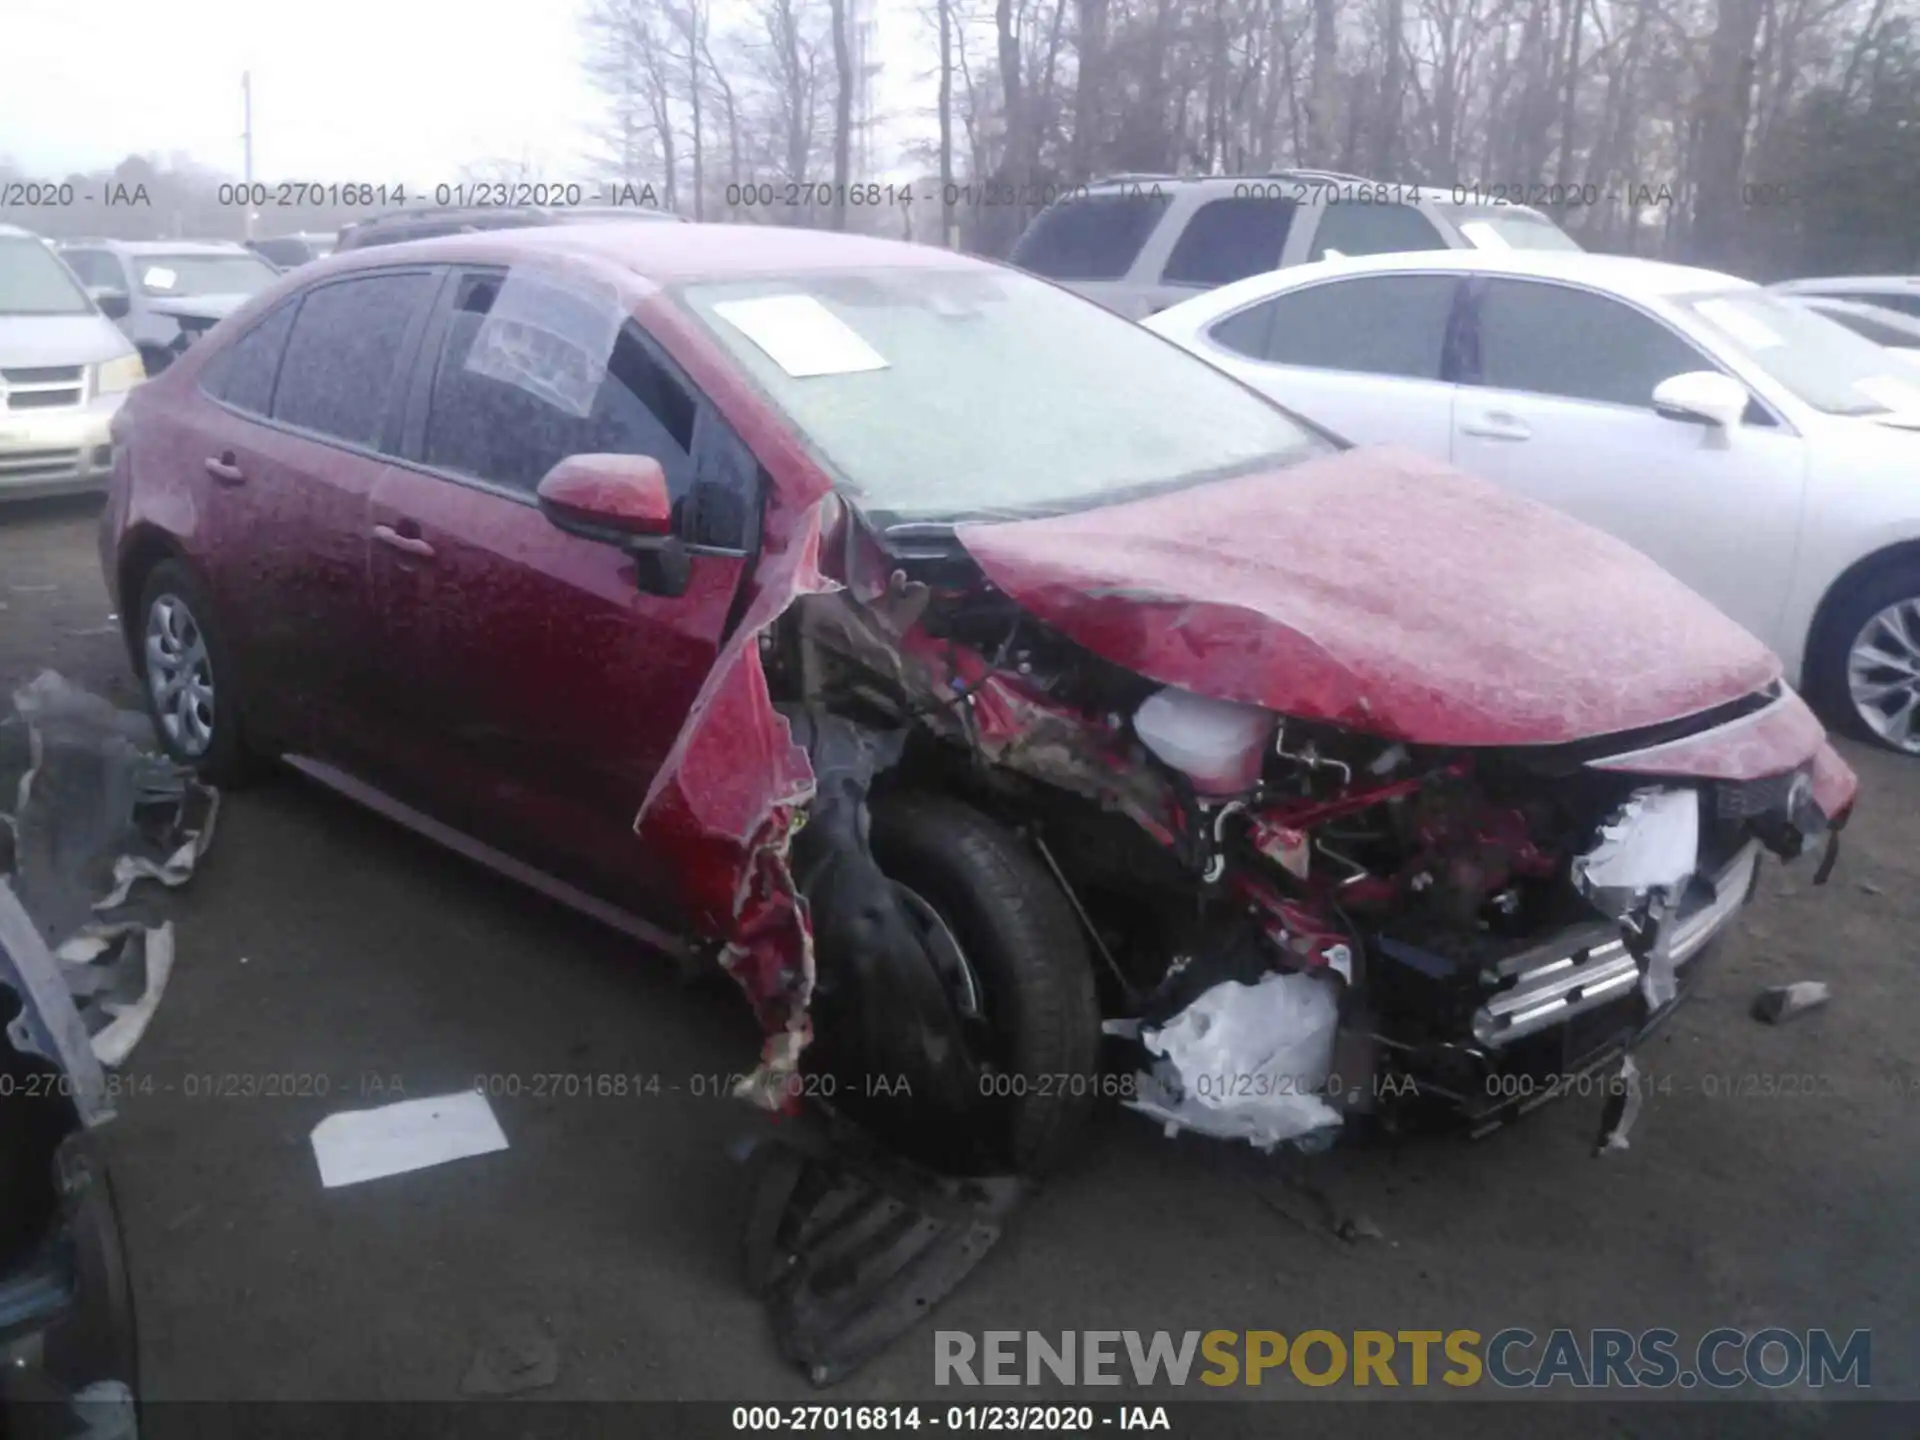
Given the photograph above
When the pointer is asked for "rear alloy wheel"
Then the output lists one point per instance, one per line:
(187, 675)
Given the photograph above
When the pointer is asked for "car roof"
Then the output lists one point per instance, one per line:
(1627, 274)
(672, 253)
(160, 247)
(1826, 284)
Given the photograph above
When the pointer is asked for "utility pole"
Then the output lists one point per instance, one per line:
(246, 140)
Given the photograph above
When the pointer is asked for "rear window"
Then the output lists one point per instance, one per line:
(1095, 237)
(1230, 239)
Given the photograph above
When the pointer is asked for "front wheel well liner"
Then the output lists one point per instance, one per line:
(143, 549)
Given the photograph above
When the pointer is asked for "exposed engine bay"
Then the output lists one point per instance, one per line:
(1447, 915)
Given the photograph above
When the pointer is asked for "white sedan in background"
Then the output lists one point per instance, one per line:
(1762, 453)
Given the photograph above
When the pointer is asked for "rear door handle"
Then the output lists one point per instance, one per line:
(225, 470)
(410, 544)
(1498, 425)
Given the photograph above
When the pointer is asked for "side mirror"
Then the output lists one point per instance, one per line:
(619, 500)
(114, 303)
(1702, 397)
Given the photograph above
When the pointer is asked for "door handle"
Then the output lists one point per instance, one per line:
(1498, 425)
(410, 544)
(225, 470)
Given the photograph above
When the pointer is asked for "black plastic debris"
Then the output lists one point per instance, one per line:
(1780, 1003)
(851, 1246)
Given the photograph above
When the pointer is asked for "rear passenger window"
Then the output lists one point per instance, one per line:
(242, 374)
(507, 433)
(341, 372)
(1375, 325)
(1230, 239)
(95, 267)
(1093, 238)
(1552, 340)
(1360, 229)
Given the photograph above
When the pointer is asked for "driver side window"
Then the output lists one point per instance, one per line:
(485, 421)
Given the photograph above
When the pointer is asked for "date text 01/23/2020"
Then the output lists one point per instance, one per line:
(1032, 1419)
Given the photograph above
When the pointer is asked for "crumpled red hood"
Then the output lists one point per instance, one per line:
(1384, 591)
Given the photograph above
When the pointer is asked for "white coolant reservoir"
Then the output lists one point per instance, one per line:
(1218, 744)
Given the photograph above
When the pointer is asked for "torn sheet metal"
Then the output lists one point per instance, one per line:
(723, 810)
(351, 1146)
(1353, 589)
(1246, 1062)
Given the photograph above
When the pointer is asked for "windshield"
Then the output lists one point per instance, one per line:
(1502, 227)
(177, 275)
(947, 395)
(34, 282)
(1822, 362)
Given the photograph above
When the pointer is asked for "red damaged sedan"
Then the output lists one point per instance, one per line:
(1020, 710)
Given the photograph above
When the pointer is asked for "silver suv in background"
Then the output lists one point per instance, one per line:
(175, 289)
(64, 369)
(1139, 243)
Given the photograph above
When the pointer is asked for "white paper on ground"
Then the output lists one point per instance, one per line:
(801, 335)
(356, 1145)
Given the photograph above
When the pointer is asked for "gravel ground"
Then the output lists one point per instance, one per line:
(320, 941)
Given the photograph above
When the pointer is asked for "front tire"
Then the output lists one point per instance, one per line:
(1028, 974)
(1864, 673)
(188, 677)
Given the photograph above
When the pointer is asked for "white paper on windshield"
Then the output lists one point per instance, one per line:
(1752, 333)
(159, 278)
(1891, 391)
(1484, 236)
(801, 335)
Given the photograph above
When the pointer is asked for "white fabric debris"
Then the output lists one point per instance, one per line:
(1623, 1107)
(1244, 1062)
(356, 1145)
(173, 871)
(1652, 843)
(801, 336)
(145, 955)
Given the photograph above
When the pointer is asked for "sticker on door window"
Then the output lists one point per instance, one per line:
(159, 277)
(801, 335)
(550, 335)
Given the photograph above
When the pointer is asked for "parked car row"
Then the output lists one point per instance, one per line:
(1116, 699)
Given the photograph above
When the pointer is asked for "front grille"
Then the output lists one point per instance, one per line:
(38, 464)
(41, 399)
(42, 387)
(43, 375)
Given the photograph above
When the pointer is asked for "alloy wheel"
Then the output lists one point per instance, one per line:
(180, 675)
(1883, 674)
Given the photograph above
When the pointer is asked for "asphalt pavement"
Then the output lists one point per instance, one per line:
(322, 945)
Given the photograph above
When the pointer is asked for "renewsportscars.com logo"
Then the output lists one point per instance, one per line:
(1722, 1359)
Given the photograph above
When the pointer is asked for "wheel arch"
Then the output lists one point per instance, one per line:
(143, 548)
(1868, 567)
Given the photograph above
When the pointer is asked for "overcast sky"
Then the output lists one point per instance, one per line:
(382, 91)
